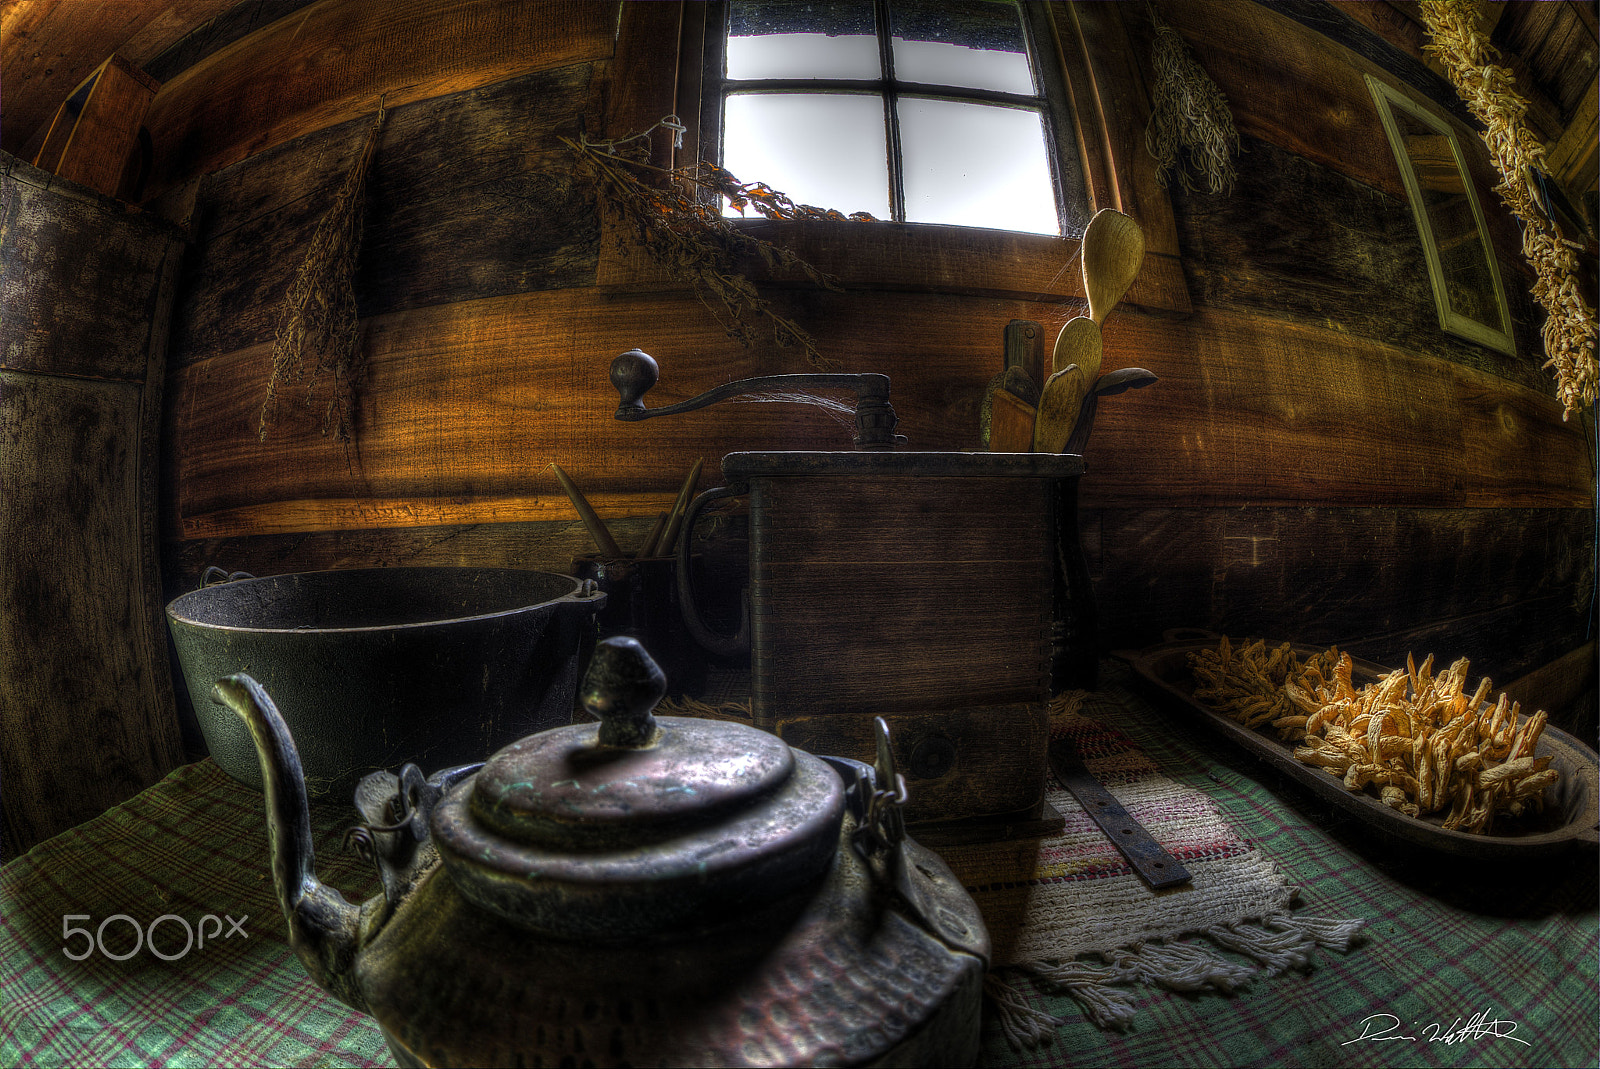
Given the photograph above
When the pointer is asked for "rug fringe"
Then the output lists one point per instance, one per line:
(1278, 950)
(1090, 987)
(1324, 931)
(1023, 1025)
(1279, 942)
(1184, 967)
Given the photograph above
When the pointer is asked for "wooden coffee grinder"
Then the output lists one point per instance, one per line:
(924, 587)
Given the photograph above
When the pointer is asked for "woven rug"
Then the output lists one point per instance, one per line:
(1071, 915)
(1076, 918)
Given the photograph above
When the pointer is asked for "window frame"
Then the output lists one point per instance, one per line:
(1105, 110)
(1050, 101)
(1388, 99)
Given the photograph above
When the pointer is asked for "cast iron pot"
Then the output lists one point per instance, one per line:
(376, 666)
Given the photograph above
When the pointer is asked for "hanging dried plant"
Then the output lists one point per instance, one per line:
(317, 322)
(1189, 117)
(678, 220)
(1490, 93)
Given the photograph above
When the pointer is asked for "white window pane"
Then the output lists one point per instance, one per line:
(933, 63)
(976, 45)
(802, 55)
(821, 149)
(818, 39)
(976, 165)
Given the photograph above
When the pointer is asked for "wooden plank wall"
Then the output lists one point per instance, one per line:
(1485, 546)
(86, 706)
(1318, 461)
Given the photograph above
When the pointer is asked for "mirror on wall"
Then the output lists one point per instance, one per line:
(1455, 242)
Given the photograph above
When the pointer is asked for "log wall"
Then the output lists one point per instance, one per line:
(1318, 462)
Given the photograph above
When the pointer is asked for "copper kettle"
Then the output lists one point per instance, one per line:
(638, 890)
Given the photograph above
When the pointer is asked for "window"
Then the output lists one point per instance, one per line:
(923, 111)
(1467, 293)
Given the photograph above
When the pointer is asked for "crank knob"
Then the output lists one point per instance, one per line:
(633, 373)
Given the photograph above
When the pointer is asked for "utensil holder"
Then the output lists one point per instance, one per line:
(642, 603)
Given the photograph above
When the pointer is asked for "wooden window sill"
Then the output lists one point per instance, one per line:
(921, 258)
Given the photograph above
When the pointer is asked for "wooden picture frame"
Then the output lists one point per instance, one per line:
(1465, 277)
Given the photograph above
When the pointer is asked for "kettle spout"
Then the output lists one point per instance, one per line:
(324, 928)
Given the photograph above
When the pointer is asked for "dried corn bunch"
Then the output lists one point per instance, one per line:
(1489, 91)
(1251, 684)
(1421, 741)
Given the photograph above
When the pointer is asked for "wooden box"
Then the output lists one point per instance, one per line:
(921, 587)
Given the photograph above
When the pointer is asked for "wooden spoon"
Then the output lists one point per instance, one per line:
(1078, 343)
(1113, 251)
(1059, 402)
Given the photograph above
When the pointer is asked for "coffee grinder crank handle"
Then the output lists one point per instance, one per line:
(633, 374)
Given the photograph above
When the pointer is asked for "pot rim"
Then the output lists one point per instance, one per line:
(575, 596)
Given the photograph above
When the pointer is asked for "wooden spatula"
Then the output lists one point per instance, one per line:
(1010, 423)
(1077, 350)
(1016, 382)
(1128, 378)
(1058, 409)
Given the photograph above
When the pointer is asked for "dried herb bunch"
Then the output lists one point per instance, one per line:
(677, 219)
(317, 322)
(1490, 93)
(1188, 111)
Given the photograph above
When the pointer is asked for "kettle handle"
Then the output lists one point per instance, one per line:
(733, 645)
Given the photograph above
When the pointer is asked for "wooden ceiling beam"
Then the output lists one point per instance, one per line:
(1400, 23)
(1571, 158)
(48, 47)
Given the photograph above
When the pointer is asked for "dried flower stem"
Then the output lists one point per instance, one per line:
(1489, 92)
(317, 322)
(1188, 111)
(687, 234)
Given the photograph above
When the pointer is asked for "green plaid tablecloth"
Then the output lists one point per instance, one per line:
(1444, 943)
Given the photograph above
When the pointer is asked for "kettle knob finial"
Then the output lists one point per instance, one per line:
(622, 686)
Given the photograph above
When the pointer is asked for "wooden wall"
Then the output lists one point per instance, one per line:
(1449, 508)
(1318, 461)
(86, 706)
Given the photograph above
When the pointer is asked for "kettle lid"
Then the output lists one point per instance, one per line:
(570, 789)
(637, 823)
